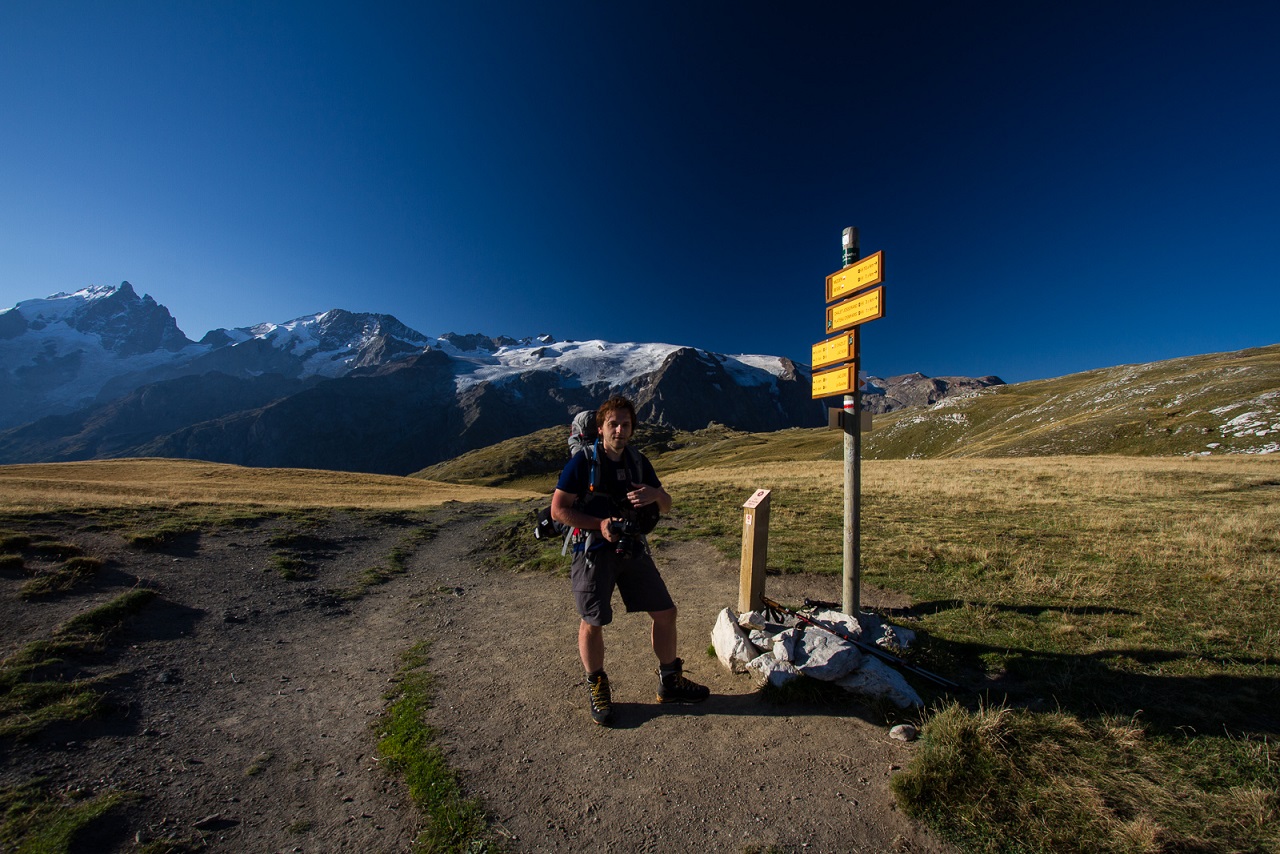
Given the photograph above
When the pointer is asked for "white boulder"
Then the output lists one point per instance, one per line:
(816, 653)
(768, 669)
(876, 680)
(868, 628)
(734, 649)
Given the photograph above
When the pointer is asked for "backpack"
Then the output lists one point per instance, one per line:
(582, 431)
(582, 434)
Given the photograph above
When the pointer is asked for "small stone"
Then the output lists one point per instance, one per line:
(904, 732)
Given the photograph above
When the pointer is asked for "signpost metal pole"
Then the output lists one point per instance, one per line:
(854, 296)
(851, 599)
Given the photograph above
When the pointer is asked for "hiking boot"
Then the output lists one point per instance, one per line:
(674, 688)
(601, 702)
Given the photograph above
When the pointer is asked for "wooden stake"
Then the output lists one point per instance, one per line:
(755, 550)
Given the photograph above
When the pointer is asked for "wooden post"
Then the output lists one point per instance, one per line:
(755, 550)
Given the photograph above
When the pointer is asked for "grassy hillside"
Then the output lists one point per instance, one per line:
(1215, 404)
(1225, 403)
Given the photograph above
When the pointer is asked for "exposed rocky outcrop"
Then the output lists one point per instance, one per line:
(391, 421)
(903, 390)
(130, 325)
(122, 426)
(693, 388)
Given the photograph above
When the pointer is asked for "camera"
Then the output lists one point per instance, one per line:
(628, 535)
(627, 525)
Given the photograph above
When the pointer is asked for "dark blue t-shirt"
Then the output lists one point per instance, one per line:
(615, 479)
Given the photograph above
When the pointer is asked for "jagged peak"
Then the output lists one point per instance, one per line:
(474, 341)
(334, 328)
(66, 305)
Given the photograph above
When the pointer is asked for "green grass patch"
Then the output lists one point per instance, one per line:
(397, 562)
(159, 528)
(14, 541)
(96, 625)
(259, 764)
(12, 563)
(290, 567)
(37, 820)
(509, 544)
(63, 579)
(161, 535)
(454, 822)
(29, 707)
(54, 549)
(35, 690)
(1003, 780)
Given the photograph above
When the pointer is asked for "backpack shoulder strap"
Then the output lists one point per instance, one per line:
(635, 464)
(593, 456)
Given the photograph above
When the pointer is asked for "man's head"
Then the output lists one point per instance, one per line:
(615, 420)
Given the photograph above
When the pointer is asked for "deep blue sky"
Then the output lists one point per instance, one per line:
(1057, 186)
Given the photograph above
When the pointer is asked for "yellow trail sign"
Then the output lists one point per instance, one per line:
(833, 350)
(840, 381)
(856, 311)
(856, 277)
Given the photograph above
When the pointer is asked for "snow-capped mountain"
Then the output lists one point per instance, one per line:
(67, 351)
(57, 353)
(104, 372)
(331, 344)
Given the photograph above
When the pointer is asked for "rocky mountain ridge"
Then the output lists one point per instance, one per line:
(103, 372)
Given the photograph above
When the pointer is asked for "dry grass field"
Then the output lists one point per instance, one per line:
(136, 482)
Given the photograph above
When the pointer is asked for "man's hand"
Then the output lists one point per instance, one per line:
(642, 494)
(606, 531)
(564, 512)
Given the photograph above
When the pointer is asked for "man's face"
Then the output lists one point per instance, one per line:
(616, 430)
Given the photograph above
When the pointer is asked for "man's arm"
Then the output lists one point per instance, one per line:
(564, 512)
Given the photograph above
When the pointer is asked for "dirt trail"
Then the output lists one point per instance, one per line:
(246, 701)
(733, 774)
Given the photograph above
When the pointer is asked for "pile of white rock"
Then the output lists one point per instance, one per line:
(777, 650)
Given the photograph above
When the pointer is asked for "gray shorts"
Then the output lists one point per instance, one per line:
(594, 575)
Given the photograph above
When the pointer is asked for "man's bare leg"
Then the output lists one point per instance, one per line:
(591, 646)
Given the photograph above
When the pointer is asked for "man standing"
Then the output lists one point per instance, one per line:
(601, 489)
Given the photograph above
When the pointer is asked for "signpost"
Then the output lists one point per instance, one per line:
(857, 300)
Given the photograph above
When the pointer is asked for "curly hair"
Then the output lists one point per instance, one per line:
(612, 404)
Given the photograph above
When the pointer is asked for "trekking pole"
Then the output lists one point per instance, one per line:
(866, 647)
